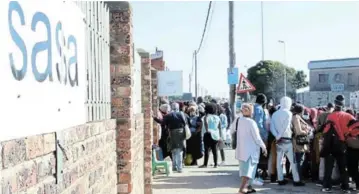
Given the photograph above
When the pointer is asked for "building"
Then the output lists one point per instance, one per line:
(329, 78)
(334, 75)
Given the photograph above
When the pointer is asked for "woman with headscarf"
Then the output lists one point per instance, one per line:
(175, 122)
(194, 143)
(249, 145)
(163, 111)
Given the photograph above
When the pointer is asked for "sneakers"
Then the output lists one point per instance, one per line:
(222, 163)
(257, 182)
(327, 190)
(346, 191)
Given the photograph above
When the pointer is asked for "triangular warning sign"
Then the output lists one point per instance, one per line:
(244, 85)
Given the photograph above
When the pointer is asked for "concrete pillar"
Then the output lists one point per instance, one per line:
(148, 120)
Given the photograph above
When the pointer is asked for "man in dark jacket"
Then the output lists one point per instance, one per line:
(334, 145)
(228, 113)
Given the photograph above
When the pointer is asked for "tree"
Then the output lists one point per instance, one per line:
(268, 78)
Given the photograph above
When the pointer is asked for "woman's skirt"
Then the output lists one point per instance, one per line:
(248, 168)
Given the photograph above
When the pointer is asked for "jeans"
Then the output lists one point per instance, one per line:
(299, 161)
(286, 148)
(210, 144)
(222, 155)
(177, 159)
(329, 165)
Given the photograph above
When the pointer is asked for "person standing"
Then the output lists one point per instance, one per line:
(249, 145)
(224, 126)
(281, 130)
(300, 129)
(259, 116)
(175, 122)
(334, 146)
(163, 111)
(319, 161)
(211, 134)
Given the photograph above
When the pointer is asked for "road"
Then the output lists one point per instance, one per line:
(222, 180)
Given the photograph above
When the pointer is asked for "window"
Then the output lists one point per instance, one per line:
(323, 78)
(350, 79)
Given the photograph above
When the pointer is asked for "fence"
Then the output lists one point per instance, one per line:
(98, 100)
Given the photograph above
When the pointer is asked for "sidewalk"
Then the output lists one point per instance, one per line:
(222, 180)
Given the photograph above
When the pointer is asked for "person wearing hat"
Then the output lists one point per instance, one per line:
(334, 144)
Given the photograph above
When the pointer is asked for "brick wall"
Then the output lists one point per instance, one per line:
(28, 165)
(130, 134)
(148, 120)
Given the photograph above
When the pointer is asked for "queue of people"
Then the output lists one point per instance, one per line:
(208, 125)
(309, 144)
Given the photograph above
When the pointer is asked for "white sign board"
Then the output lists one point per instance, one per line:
(43, 74)
(170, 83)
(337, 87)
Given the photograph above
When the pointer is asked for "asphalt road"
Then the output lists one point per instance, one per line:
(222, 180)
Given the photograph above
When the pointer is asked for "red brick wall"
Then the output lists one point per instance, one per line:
(130, 138)
(28, 165)
(148, 120)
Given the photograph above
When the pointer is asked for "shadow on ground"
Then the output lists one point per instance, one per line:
(222, 179)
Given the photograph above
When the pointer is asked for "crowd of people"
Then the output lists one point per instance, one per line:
(309, 144)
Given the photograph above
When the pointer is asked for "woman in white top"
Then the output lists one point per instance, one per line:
(212, 134)
(249, 143)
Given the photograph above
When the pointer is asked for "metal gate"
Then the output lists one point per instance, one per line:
(98, 100)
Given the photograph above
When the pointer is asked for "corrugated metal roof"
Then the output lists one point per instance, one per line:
(334, 63)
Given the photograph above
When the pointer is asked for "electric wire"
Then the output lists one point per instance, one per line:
(207, 23)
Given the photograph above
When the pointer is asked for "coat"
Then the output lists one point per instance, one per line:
(299, 128)
(177, 138)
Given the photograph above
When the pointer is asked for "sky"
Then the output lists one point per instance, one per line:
(311, 30)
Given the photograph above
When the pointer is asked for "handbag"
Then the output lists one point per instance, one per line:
(353, 142)
(234, 136)
(186, 128)
(302, 139)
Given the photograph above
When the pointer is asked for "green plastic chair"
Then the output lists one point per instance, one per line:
(159, 164)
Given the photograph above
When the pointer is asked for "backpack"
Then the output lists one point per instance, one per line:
(332, 145)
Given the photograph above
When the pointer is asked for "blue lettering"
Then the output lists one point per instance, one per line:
(18, 74)
(60, 49)
(42, 46)
(63, 44)
(73, 61)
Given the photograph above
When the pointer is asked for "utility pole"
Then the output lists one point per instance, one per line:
(232, 87)
(190, 83)
(285, 65)
(262, 27)
(195, 75)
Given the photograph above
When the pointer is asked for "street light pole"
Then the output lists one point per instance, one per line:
(195, 75)
(285, 63)
(262, 27)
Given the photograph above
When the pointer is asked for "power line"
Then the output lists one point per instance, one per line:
(205, 26)
(207, 23)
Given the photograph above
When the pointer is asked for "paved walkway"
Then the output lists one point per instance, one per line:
(222, 180)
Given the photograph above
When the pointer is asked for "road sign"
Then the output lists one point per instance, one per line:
(232, 74)
(244, 85)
